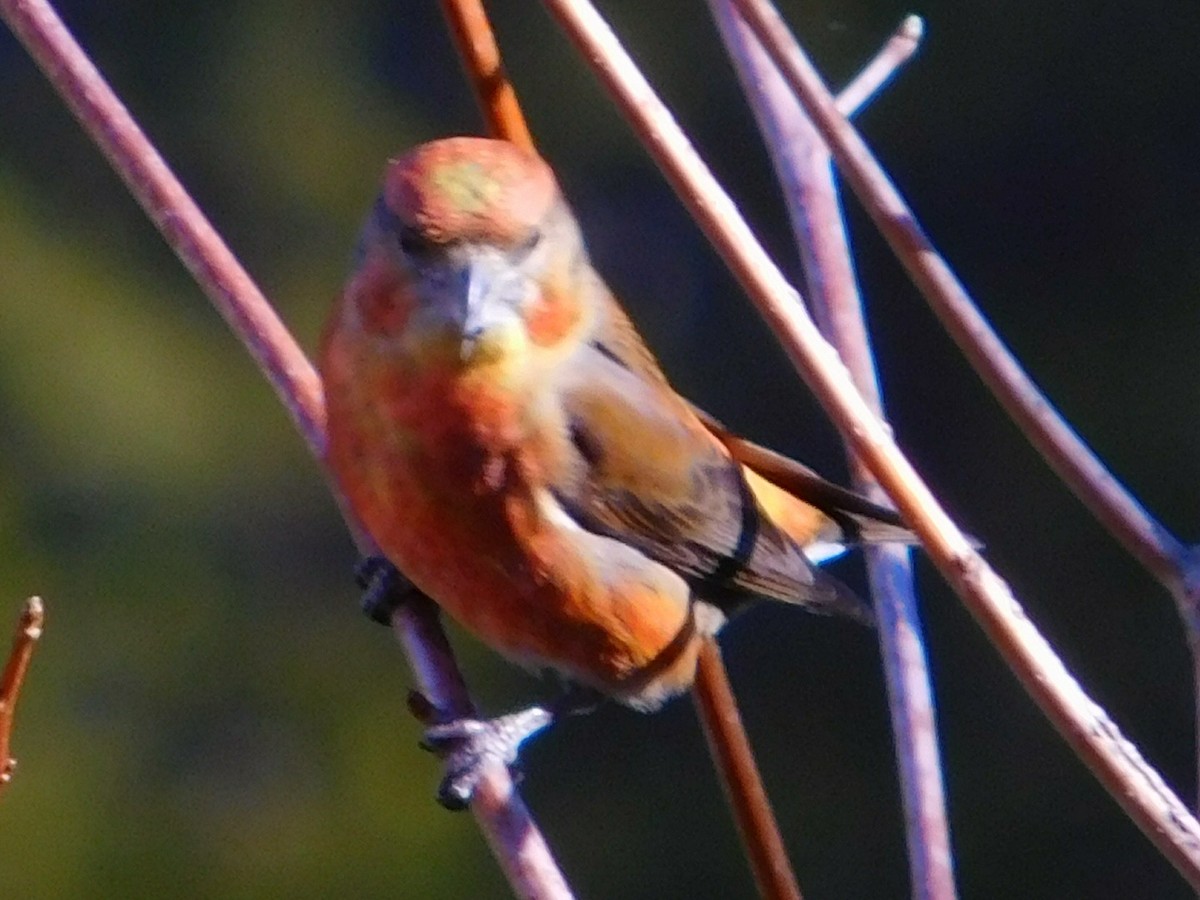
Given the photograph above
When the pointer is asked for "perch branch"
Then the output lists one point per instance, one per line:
(1087, 728)
(733, 758)
(507, 825)
(803, 167)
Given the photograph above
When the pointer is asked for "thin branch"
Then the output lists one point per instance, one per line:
(1143, 537)
(1088, 729)
(891, 57)
(519, 847)
(727, 741)
(29, 630)
(804, 169)
(174, 213)
(476, 44)
(1191, 601)
(731, 753)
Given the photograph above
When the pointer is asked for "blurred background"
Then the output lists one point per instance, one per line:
(210, 716)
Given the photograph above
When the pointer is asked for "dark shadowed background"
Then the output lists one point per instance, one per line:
(210, 716)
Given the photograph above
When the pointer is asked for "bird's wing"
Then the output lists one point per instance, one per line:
(805, 505)
(650, 474)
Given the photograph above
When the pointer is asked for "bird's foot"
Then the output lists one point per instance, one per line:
(469, 745)
(384, 589)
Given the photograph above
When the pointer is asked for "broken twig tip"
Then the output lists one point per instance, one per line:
(33, 618)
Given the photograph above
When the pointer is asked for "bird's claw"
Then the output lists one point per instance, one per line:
(468, 746)
(384, 589)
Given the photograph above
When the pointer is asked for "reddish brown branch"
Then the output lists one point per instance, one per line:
(29, 629)
(519, 846)
(1086, 727)
(481, 57)
(733, 757)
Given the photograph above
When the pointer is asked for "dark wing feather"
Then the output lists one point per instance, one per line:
(862, 521)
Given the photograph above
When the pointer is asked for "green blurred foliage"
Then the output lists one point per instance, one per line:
(208, 715)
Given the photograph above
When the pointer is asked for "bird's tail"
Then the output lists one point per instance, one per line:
(808, 507)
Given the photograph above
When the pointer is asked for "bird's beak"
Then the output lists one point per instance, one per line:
(490, 292)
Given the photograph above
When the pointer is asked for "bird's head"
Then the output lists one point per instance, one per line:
(484, 257)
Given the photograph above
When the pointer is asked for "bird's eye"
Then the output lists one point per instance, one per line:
(415, 245)
(527, 246)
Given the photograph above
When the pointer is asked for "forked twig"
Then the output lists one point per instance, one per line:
(518, 845)
(29, 630)
(803, 167)
(726, 737)
(1160, 552)
(1089, 730)
(1175, 565)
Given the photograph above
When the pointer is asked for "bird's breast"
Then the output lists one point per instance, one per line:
(465, 433)
(436, 451)
(450, 474)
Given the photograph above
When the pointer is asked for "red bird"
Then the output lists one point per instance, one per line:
(503, 432)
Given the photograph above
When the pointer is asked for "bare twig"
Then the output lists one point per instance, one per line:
(1088, 729)
(803, 167)
(515, 839)
(727, 741)
(29, 629)
(731, 753)
(481, 58)
(897, 50)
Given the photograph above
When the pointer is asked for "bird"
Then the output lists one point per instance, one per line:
(510, 442)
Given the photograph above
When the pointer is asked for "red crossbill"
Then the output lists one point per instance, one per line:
(510, 442)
